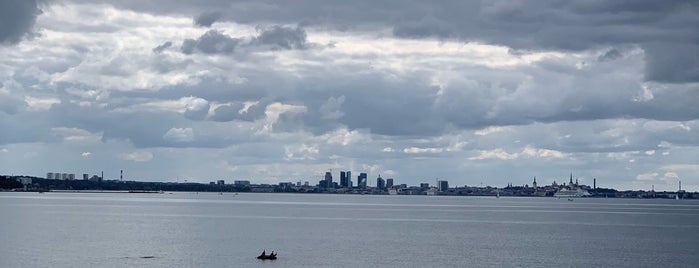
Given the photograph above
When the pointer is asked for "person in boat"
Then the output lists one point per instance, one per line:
(263, 255)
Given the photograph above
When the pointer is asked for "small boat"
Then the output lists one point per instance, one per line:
(271, 256)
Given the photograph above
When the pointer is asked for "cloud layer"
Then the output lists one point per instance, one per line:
(473, 92)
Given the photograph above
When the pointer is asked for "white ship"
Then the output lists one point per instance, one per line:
(392, 191)
(565, 193)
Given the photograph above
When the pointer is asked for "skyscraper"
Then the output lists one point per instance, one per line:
(389, 183)
(328, 181)
(344, 182)
(361, 180)
(380, 182)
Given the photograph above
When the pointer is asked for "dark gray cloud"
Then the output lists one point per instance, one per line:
(238, 111)
(672, 62)
(529, 25)
(211, 42)
(275, 37)
(611, 54)
(206, 19)
(162, 47)
(17, 18)
(283, 37)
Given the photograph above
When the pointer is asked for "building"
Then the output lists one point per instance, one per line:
(241, 183)
(361, 180)
(380, 182)
(344, 180)
(71, 176)
(220, 182)
(424, 185)
(49, 176)
(96, 178)
(443, 186)
(86, 176)
(328, 179)
(389, 183)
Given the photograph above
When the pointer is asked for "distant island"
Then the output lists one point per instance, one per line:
(96, 184)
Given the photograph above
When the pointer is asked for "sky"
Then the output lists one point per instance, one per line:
(472, 92)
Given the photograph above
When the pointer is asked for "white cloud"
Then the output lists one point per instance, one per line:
(76, 135)
(274, 110)
(40, 104)
(179, 135)
(527, 152)
(86, 154)
(497, 153)
(138, 156)
(490, 130)
(417, 150)
(345, 137)
(301, 152)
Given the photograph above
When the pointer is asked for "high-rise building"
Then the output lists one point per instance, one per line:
(361, 180)
(328, 179)
(389, 182)
(349, 179)
(220, 182)
(344, 182)
(443, 186)
(49, 176)
(424, 185)
(380, 182)
(86, 176)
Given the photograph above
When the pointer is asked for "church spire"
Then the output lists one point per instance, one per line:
(571, 178)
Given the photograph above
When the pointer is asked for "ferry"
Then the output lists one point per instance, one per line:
(567, 193)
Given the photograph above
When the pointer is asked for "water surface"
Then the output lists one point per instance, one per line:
(314, 230)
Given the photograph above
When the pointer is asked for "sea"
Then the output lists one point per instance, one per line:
(187, 229)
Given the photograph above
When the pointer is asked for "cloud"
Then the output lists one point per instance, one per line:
(39, 104)
(282, 37)
(138, 156)
(211, 42)
(75, 135)
(179, 135)
(416, 150)
(206, 19)
(331, 109)
(672, 62)
(162, 47)
(610, 55)
(415, 89)
(195, 108)
(527, 152)
(17, 17)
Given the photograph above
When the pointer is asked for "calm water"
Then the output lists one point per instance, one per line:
(211, 230)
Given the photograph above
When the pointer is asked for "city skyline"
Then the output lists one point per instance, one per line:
(471, 92)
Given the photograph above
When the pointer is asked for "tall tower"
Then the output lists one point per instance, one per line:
(121, 175)
(329, 179)
(594, 183)
(571, 179)
(534, 183)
